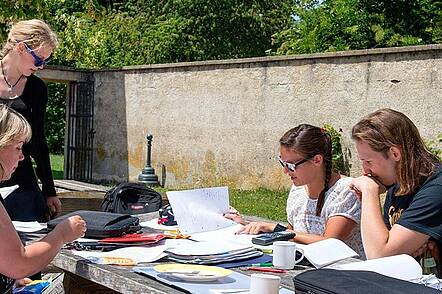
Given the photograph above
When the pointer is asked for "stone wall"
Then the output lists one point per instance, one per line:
(218, 122)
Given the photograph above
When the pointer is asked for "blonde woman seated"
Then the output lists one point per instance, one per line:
(18, 261)
(320, 204)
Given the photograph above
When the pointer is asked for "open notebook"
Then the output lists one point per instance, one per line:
(326, 252)
(401, 266)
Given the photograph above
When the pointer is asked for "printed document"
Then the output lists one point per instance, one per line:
(200, 210)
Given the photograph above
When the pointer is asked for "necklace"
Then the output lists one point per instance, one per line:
(10, 86)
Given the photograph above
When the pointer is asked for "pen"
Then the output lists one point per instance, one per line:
(266, 269)
(265, 250)
(262, 264)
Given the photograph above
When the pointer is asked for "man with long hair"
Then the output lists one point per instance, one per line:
(395, 159)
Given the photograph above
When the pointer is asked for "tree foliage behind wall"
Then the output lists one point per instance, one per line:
(96, 34)
(337, 25)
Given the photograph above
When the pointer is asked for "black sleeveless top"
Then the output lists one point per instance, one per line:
(6, 283)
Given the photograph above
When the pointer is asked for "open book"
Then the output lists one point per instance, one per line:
(326, 252)
(401, 266)
(329, 251)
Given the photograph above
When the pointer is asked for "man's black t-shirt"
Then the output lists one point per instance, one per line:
(420, 211)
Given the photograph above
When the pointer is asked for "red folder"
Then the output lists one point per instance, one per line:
(135, 238)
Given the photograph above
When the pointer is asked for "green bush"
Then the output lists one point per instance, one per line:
(56, 117)
(340, 162)
(435, 146)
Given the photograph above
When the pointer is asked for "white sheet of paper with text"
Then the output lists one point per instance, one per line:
(200, 210)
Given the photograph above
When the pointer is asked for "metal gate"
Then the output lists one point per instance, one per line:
(80, 132)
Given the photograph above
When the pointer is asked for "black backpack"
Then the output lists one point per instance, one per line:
(131, 198)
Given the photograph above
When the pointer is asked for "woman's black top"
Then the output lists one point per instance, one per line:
(32, 105)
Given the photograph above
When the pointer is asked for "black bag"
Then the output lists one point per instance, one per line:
(131, 198)
(102, 224)
(330, 281)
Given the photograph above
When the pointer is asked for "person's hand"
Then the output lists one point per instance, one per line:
(254, 228)
(366, 183)
(54, 206)
(71, 228)
(234, 215)
(22, 282)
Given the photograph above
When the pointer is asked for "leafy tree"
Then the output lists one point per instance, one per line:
(360, 24)
(171, 31)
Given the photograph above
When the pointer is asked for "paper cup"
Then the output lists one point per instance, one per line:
(264, 284)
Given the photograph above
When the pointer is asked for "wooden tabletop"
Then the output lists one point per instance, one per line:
(122, 279)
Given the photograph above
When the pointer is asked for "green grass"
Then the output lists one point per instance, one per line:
(260, 202)
(57, 165)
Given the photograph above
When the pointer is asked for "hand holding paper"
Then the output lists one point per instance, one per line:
(200, 210)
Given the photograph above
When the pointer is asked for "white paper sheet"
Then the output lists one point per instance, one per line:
(401, 266)
(200, 210)
(225, 234)
(28, 227)
(5, 191)
(138, 254)
(153, 223)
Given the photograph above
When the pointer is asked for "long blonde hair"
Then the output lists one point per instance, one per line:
(12, 126)
(34, 32)
(387, 128)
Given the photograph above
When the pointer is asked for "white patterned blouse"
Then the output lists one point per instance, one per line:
(339, 200)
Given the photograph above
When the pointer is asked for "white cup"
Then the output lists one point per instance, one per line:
(264, 284)
(284, 254)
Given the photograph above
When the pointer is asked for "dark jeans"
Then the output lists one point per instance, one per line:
(26, 206)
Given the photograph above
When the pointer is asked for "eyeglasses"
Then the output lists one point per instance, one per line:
(38, 61)
(291, 166)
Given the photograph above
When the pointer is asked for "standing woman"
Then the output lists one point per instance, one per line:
(320, 204)
(28, 48)
(18, 261)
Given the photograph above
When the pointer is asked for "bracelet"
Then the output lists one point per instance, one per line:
(279, 228)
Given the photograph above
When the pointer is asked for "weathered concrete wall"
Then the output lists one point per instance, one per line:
(218, 123)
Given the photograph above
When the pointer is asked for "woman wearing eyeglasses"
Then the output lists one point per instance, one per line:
(16, 260)
(29, 45)
(320, 204)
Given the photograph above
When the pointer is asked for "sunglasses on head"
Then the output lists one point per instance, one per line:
(291, 167)
(38, 61)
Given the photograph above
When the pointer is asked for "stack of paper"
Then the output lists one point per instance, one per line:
(28, 227)
(137, 254)
(211, 252)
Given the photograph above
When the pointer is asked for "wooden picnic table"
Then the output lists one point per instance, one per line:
(82, 276)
